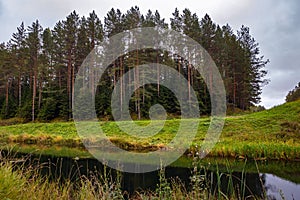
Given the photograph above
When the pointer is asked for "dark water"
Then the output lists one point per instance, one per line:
(256, 183)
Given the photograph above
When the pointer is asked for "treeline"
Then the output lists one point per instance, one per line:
(294, 94)
(38, 66)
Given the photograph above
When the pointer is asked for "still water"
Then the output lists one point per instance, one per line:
(277, 180)
(277, 187)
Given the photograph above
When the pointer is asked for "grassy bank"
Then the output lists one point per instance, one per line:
(270, 134)
(25, 182)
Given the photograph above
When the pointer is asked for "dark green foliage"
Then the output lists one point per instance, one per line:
(62, 104)
(9, 110)
(49, 110)
(25, 111)
(38, 66)
(294, 94)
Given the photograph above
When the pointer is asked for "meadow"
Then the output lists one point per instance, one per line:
(269, 134)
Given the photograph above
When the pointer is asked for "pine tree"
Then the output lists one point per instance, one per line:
(94, 30)
(48, 56)
(176, 21)
(254, 64)
(38, 68)
(70, 27)
(133, 19)
(34, 45)
(95, 36)
(114, 24)
(190, 28)
(7, 76)
(19, 42)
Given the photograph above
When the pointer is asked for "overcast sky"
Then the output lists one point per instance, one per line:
(273, 23)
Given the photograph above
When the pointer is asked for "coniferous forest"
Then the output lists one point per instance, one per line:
(38, 65)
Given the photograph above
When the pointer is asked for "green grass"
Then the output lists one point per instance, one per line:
(270, 134)
(46, 150)
(20, 182)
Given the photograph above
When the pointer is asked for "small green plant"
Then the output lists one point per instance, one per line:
(163, 189)
(198, 179)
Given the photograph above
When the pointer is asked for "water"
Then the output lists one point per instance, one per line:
(276, 179)
(276, 186)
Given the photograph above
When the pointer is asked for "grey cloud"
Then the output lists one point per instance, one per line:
(1, 8)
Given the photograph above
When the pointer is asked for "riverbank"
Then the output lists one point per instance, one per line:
(267, 135)
(70, 179)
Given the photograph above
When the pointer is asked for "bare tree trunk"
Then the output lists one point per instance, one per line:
(72, 88)
(69, 85)
(30, 79)
(178, 67)
(210, 80)
(59, 79)
(115, 75)
(192, 80)
(121, 86)
(234, 89)
(35, 73)
(6, 96)
(138, 81)
(135, 87)
(33, 96)
(158, 72)
(40, 95)
(92, 78)
(143, 87)
(20, 90)
(189, 82)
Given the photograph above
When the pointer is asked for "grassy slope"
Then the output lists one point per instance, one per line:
(271, 134)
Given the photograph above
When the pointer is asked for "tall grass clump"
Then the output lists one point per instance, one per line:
(12, 183)
(15, 183)
(20, 180)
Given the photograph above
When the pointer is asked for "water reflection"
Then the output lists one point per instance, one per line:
(278, 188)
(245, 184)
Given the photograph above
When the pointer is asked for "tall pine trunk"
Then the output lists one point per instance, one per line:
(121, 85)
(138, 82)
(20, 90)
(40, 95)
(72, 89)
(33, 95)
(158, 72)
(189, 84)
(69, 85)
(234, 89)
(6, 96)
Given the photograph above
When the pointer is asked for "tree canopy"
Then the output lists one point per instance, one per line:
(38, 65)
